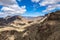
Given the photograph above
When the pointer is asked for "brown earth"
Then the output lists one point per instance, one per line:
(46, 29)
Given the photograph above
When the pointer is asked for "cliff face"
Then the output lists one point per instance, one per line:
(46, 29)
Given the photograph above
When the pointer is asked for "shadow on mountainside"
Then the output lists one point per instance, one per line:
(49, 29)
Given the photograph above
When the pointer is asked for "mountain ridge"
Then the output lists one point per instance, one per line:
(48, 28)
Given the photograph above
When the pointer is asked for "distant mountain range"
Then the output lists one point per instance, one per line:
(9, 19)
(23, 28)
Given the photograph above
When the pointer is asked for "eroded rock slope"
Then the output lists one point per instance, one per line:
(47, 28)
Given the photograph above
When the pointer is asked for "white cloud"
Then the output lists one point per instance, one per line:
(35, 1)
(48, 2)
(11, 7)
(2, 14)
(14, 9)
(51, 5)
(8, 2)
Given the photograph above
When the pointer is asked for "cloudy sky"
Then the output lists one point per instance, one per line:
(28, 7)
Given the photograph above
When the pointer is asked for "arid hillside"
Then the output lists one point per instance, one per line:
(19, 28)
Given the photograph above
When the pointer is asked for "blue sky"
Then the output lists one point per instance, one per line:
(28, 7)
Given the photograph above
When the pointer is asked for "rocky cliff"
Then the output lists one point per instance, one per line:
(47, 28)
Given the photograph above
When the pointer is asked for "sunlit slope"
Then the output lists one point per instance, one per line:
(47, 28)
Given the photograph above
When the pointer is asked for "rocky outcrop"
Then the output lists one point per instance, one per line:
(10, 19)
(46, 29)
